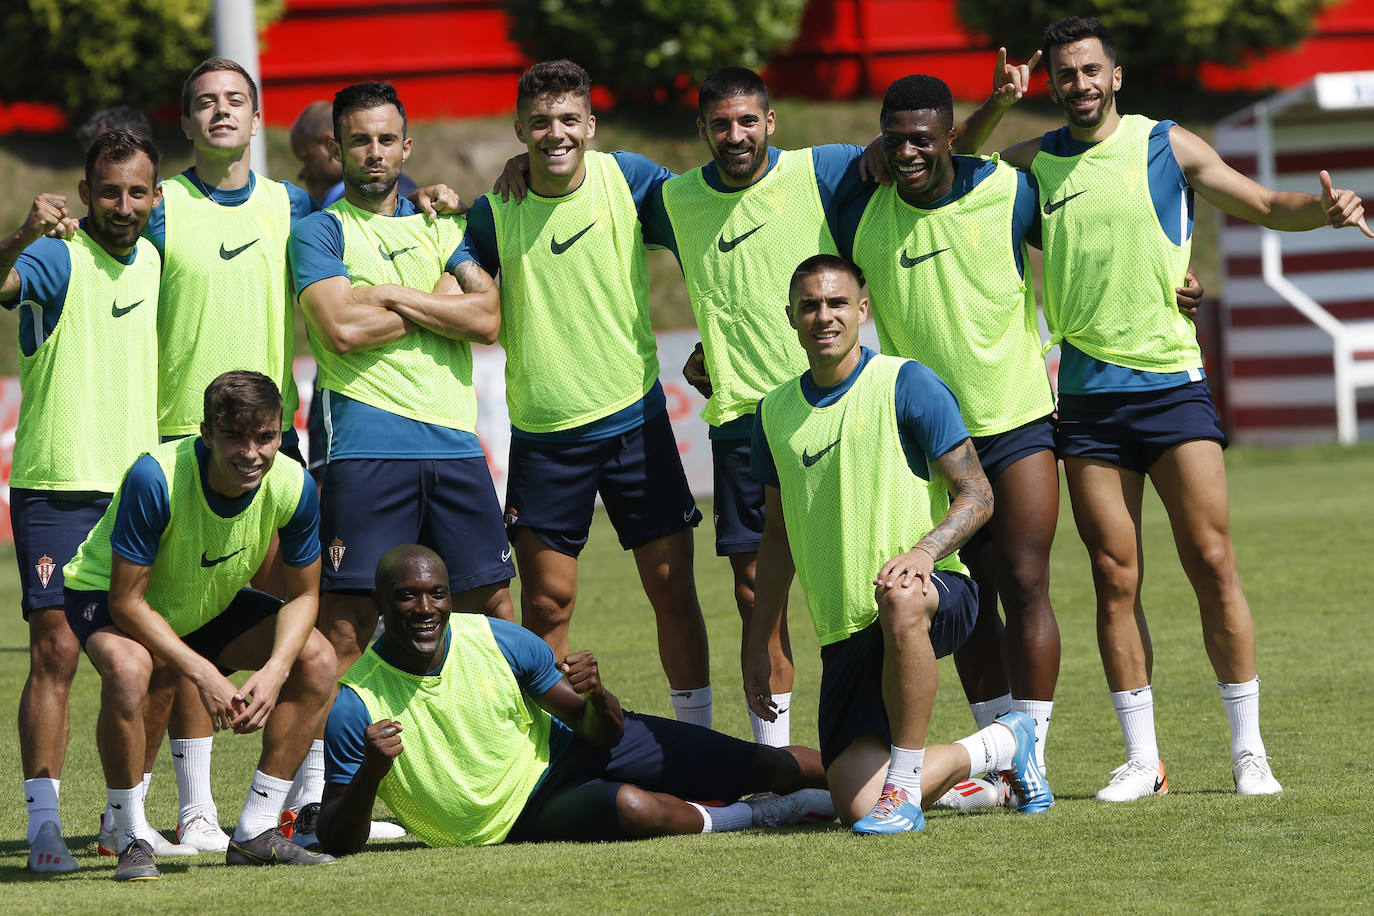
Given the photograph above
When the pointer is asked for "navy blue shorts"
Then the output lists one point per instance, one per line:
(370, 505)
(88, 612)
(1000, 451)
(851, 701)
(551, 487)
(1131, 429)
(48, 526)
(738, 499)
(576, 800)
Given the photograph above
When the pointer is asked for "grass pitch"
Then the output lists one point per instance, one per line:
(1303, 522)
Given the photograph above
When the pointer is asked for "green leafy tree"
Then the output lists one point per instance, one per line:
(84, 55)
(652, 50)
(1166, 38)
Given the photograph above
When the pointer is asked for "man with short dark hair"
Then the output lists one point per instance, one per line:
(88, 374)
(502, 742)
(871, 480)
(1116, 195)
(161, 581)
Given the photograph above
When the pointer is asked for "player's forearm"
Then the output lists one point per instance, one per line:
(346, 815)
(352, 324)
(136, 617)
(603, 721)
(295, 620)
(968, 511)
(462, 316)
(11, 247)
(971, 133)
(773, 576)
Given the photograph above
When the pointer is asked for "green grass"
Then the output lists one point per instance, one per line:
(1303, 522)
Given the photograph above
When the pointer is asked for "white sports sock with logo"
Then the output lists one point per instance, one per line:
(729, 817)
(777, 733)
(262, 808)
(107, 819)
(129, 821)
(1135, 710)
(1241, 702)
(990, 749)
(904, 767)
(692, 706)
(986, 712)
(308, 786)
(191, 764)
(40, 799)
(1039, 710)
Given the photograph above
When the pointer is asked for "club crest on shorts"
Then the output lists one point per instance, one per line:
(45, 566)
(336, 553)
(88, 612)
(512, 516)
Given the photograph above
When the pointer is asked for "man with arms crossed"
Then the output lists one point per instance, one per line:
(89, 383)
(1116, 195)
(496, 744)
(161, 581)
(587, 410)
(860, 457)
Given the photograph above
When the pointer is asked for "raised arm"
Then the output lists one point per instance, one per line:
(48, 212)
(1009, 84)
(1234, 193)
(583, 702)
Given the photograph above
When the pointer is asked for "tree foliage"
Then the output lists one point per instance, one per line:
(650, 50)
(84, 55)
(1167, 38)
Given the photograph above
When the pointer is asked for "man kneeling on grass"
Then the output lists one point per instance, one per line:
(161, 581)
(471, 731)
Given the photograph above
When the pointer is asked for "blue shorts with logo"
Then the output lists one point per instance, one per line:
(576, 799)
(49, 526)
(738, 500)
(851, 700)
(371, 505)
(551, 487)
(88, 612)
(1131, 429)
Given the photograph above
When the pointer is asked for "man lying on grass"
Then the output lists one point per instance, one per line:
(471, 731)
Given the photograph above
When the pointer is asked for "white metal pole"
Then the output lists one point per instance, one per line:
(236, 37)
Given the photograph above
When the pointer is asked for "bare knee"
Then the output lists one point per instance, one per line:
(125, 677)
(640, 813)
(1211, 563)
(906, 613)
(316, 666)
(1115, 575)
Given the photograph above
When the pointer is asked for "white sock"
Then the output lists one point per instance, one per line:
(990, 749)
(692, 706)
(40, 798)
(1242, 711)
(308, 786)
(191, 763)
(126, 811)
(986, 712)
(730, 817)
(262, 809)
(107, 820)
(904, 769)
(1039, 710)
(777, 733)
(1135, 710)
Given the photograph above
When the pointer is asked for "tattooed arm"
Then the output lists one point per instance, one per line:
(465, 305)
(962, 474)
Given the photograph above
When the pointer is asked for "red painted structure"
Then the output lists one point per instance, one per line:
(453, 58)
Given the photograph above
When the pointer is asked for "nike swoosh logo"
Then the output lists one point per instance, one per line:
(393, 255)
(726, 247)
(260, 792)
(1159, 783)
(231, 253)
(808, 460)
(505, 555)
(117, 312)
(181, 756)
(29, 799)
(116, 807)
(206, 562)
(1052, 205)
(558, 247)
(912, 262)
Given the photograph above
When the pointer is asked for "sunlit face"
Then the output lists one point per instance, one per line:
(1084, 81)
(415, 608)
(240, 458)
(222, 116)
(555, 130)
(119, 197)
(917, 149)
(373, 148)
(736, 130)
(826, 310)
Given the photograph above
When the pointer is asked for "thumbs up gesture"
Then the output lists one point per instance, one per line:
(1343, 208)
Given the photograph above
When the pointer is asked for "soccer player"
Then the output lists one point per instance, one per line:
(88, 373)
(587, 410)
(942, 246)
(161, 581)
(312, 142)
(871, 480)
(1116, 199)
(505, 743)
(390, 328)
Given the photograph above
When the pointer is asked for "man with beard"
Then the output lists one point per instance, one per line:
(1116, 196)
(89, 407)
(391, 312)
